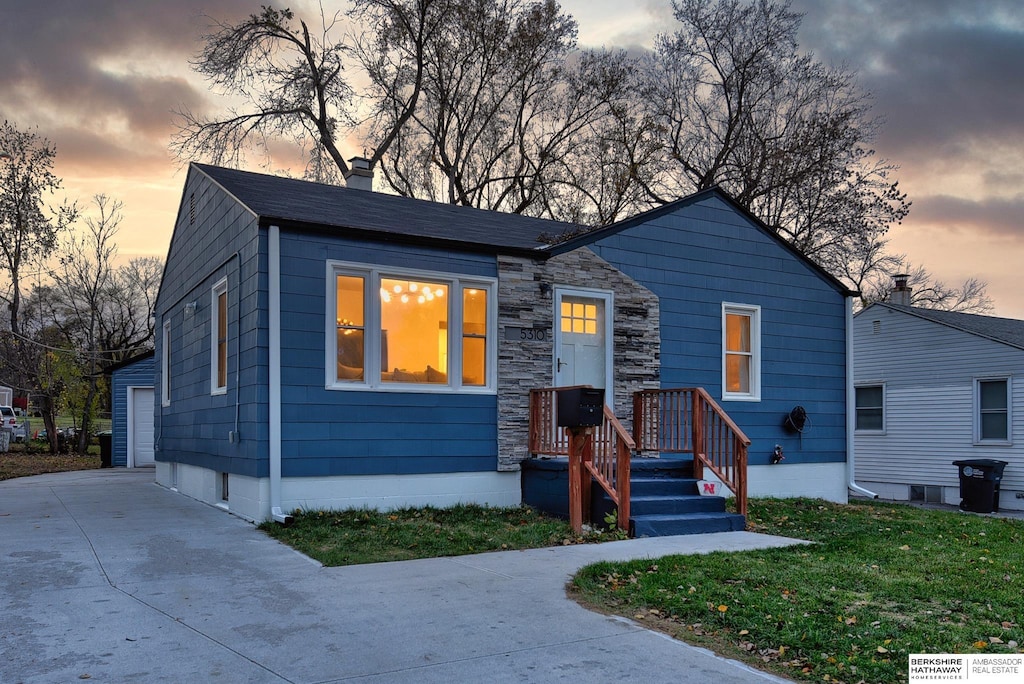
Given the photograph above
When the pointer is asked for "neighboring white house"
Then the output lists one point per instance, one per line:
(933, 387)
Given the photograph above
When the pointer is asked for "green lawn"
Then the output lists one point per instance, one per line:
(366, 536)
(883, 581)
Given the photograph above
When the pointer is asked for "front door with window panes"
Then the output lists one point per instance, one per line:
(580, 344)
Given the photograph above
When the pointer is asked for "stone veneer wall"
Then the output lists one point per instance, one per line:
(528, 364)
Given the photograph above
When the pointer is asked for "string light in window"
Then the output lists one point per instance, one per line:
(422, 293)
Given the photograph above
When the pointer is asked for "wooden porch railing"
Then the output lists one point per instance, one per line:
(689, 421)
(601, 453)
(545, 438)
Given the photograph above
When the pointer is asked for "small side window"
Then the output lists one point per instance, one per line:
(870, 401)
(993, 410)
(219, 338)
(165, 365)
(741, 352)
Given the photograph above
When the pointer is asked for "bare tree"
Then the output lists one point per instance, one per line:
(82, 282)
(928, 292)
(737, 105)
(477, 102)
(292, 86)
(126, 327)
(504, 104)
(30, 228)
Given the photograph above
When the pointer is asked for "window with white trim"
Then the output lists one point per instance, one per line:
(165, 366)
(870, 408)
(741, 352)
(415, 330)
(219, 337)
(992, 414)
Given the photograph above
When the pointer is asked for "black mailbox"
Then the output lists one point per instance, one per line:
(580, 406)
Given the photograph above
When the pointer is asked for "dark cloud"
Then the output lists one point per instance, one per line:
(942, 72)
(102, 66)
(995, 217)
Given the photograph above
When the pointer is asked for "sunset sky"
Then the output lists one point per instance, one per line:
(100, 80)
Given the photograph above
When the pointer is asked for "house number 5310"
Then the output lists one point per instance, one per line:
(527, 334)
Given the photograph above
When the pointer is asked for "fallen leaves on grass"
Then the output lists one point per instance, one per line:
(23, 464)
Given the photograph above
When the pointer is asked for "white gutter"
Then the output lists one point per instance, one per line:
(274, 292)
(851, 403)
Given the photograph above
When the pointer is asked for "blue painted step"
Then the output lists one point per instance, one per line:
(664, 501)
(685, 523)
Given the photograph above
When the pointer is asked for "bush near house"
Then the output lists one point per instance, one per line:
(882, 581)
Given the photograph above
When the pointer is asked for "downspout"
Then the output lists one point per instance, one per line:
(274, 305)
(851, 412)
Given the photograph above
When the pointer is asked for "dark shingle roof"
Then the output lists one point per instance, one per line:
(292, 202)
(1006, 330)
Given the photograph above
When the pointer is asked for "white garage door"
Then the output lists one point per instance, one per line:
(140, 436)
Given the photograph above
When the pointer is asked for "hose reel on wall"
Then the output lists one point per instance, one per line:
(796, 420)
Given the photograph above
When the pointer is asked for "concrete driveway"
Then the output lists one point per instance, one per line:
(107, 577)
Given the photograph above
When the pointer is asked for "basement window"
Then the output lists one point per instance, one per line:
(926, 493)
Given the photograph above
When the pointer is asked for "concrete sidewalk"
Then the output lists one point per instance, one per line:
(108, 577)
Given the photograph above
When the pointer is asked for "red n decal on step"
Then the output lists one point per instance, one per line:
(707, 488)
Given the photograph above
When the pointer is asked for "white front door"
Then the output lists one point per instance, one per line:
(583, 339)
(140, 427)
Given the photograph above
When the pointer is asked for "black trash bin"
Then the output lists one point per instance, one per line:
(979, 484)
(106, 449)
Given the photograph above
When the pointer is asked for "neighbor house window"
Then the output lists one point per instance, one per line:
(741, 352)
(165, 365)
(992, 398)
(870, 409)
(219, 338)
(412, 329)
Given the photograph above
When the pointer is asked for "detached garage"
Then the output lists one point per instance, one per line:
(131, 389)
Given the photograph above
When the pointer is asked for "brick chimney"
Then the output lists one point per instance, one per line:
(901, 291)
(359, 175)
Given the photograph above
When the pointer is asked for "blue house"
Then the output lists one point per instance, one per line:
(329, 347)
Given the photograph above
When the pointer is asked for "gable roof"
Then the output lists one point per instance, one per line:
(1006, 330)
(124, 363)
(289, 202)
(696, 198)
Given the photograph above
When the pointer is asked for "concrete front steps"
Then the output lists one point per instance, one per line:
(664, 498)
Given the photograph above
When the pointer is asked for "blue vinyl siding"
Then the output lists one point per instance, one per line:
(323, 432)
(707, 253)
(223, 241)
(331, 432)
(137, 374)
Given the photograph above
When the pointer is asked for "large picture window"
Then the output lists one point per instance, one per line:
(741, 352)
(992, 419)
(409, 329)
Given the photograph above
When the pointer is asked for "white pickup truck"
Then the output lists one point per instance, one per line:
(8, 419)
